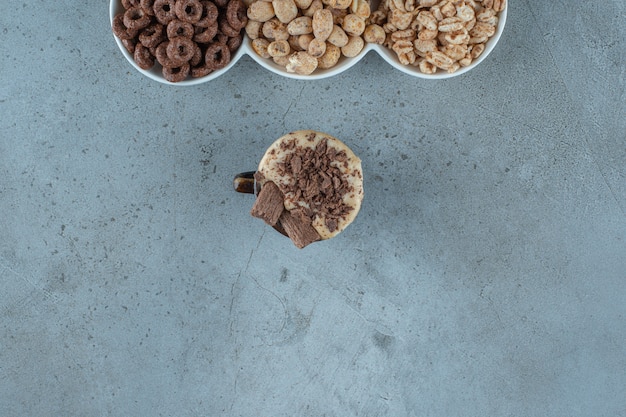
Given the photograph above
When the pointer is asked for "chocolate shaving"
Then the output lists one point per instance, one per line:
(316, 180)
(269, 204)
(298, 227)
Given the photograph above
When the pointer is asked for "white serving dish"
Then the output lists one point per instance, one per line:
(343, 64)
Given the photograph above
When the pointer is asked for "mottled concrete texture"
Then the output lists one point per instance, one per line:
(484, 276)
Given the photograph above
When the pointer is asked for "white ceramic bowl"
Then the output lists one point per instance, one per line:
(343, 64)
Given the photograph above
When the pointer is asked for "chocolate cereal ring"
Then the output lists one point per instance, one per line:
(210, 12)
(226, 28)
(188, 10)
(236, 14)
(130, 3)
(176, 74)
(147, 6)
(164, 11)
(180, 49)
(143, 57)
(160, 53)
(129, 44)
(196, 59)
(205, 35)
(178, 28)
(120, 30)
(217, 56)
(200, 71)
(135, 18)
(234, 43)
(221, 38)
(152, 36)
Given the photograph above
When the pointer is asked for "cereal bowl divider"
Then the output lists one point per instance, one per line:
(343, 64)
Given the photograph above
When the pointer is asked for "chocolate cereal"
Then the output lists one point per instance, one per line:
(187, 38)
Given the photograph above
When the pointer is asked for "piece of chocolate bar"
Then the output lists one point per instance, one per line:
(298, 227)
(268, 204)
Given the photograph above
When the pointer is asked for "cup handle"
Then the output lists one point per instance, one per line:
(244, 182)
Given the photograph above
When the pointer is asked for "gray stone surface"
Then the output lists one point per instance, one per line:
(484, 276)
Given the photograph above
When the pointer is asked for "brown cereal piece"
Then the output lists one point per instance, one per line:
(300, 26)
(180, 49)
(236, 14)
(315, 6)
(461, 37)
(303, 4)
(425, 45)
(477, 50)
(278, 48)
(234, 43)
(400, 19)
(127, 4)
(259, 46)
(353, 47)
(217, 56)
(143, 57)
(197, 57)
(374, 33)
(439, 59)
(301, 63)
(427, 20)
(285, 10)
(426, 67)
(339, 4)
(209, 16)
(482, 30)
(225, 28)
(152, 35)
(283, 61)
(427, 3)
(330, 57)
(456, 52)
(205, 35)
(322, 24)
(129, 44)
(487, 16)
(200, 71)
(465, 12)
(164, 11)
(338, 37)
(294, 43)
(451, 24)
(178, 28)
(221, 3)
(176, 74)
(353, 25)
(188, 10)
(254, 29)
(317, 48)
(448, 9)
(274, 29)
(305, 40)
(120, 30)
(497, 5)
(363, 10)
(261, 11)
(162, 58)
(147, 6)
(338, 15)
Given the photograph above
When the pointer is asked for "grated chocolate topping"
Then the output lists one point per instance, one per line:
(317, 180)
